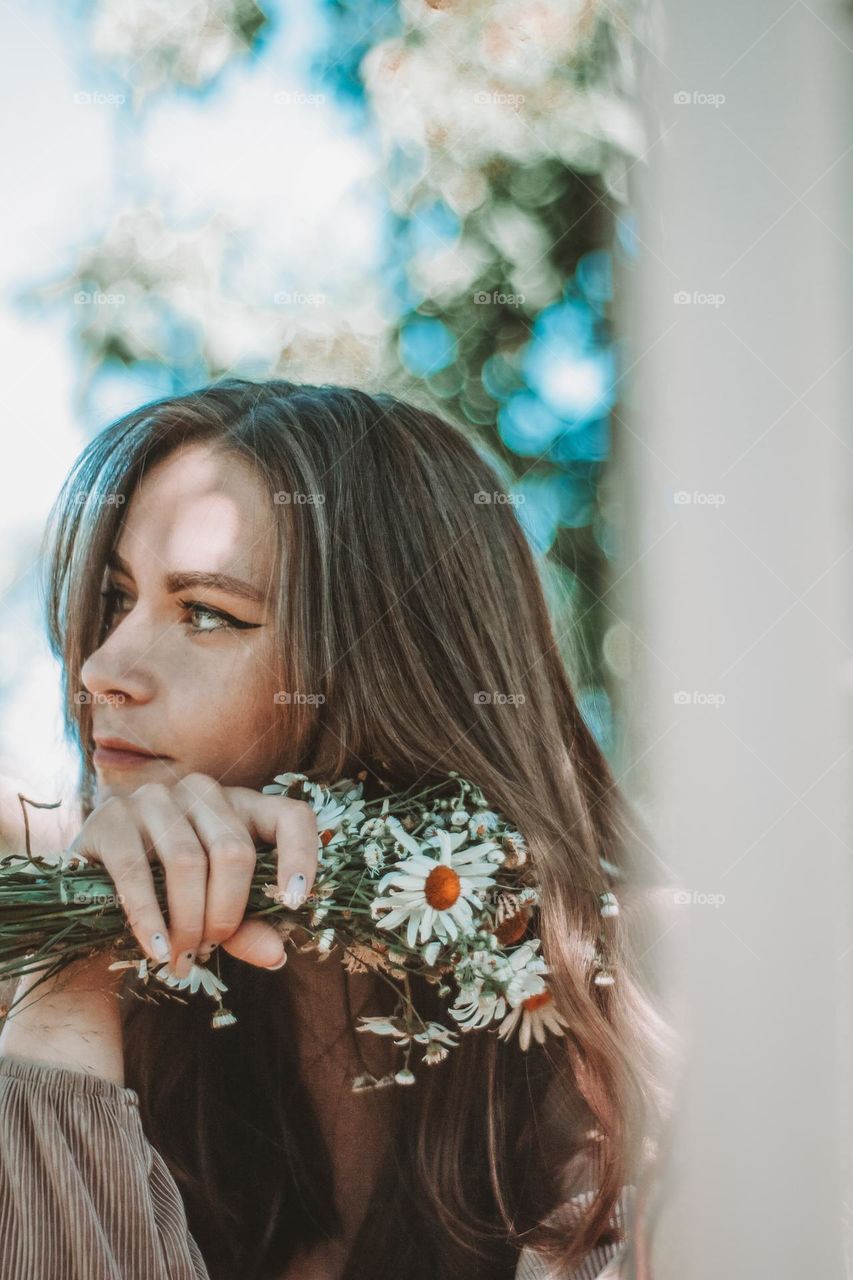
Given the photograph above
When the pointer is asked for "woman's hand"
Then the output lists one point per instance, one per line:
(204, 834)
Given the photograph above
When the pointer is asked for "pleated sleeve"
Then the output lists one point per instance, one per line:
(83, 1194)
(601, 1264)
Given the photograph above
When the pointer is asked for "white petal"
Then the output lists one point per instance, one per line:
(393, 918)
(409, 882)
(426, 923)
(412, 931)
(402, 836)
(449, 923)
(443, 838)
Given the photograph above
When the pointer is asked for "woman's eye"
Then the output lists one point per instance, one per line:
(110, 596)
(219, 621)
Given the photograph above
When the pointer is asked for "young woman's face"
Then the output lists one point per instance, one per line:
(187, 670)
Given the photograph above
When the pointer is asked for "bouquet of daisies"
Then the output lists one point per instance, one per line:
(432, 883)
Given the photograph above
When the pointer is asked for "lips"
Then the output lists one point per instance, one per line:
(119, 750)
(121, 744)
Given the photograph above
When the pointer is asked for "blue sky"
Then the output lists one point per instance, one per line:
(295, 174)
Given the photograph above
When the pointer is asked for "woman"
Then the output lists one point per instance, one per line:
(312, 579)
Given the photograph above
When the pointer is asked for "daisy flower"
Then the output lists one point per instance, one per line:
(477, 1008)
(331, 816)
(374, 857)
(384, 1027)
(141, 967)
(198, 976)
(322, 943)
(527, 969)
(435, 896)
(536, 1014)
(433, 1054)
(436, 1034)
(492, 982)
(482, 824)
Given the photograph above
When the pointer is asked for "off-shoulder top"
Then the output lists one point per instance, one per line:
(85, 1196)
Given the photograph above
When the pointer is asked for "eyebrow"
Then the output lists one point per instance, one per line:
(190, 578)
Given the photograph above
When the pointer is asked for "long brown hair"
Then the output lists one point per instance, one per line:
(403, 597)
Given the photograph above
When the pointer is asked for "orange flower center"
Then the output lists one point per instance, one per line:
(442, 888)
(325, 837)
(532, 1003)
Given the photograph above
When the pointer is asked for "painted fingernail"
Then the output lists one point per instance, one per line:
(184, 964)
(160, 946)
(294, 893)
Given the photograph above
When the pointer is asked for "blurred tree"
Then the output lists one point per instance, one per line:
(508, 130)
(504, 134)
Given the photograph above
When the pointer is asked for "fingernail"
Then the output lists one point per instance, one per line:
(160, 946)
(184, 964)
(206, 950)
(282, 962)
(294, 893)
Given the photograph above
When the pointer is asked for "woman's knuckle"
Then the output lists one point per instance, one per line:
(183, 856)
(301, 813)
(233, 852)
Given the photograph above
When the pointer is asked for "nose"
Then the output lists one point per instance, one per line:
(119, 669)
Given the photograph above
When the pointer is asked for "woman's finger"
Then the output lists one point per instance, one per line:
(256, 943)
(290, 825)
(230, 853)
(114, 841)
(178, 847)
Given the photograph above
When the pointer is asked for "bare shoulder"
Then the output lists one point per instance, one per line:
(50, 829)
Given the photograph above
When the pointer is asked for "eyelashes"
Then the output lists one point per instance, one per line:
(224, 620)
